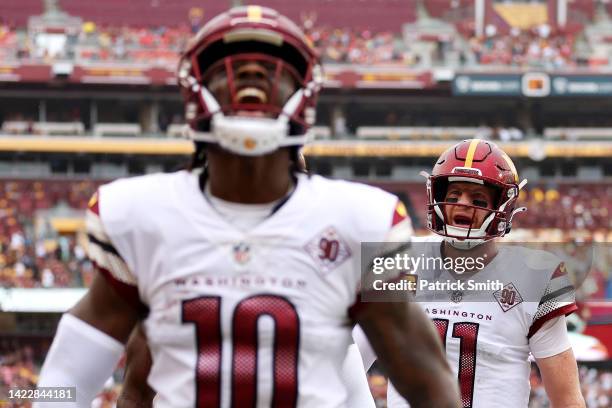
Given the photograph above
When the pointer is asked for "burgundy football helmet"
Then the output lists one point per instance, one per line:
(473, 161)
(282, 53)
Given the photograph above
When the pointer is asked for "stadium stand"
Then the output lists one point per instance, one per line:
(379, 15)
(16, 12)
(374, 15)
(557, 205)
(344, 32)
(141, 13)
(537, 47)
(417, 133)
(592, 133)
(362, 43)
(31, 248)
(582, 10)
(43, 128)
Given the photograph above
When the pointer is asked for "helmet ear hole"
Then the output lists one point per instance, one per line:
(440, 188)
(202, 126)
(296, 128)
(496, 194)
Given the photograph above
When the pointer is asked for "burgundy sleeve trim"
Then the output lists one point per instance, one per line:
(562, 311)
(128, 292)
(560, 271)
(93, 205)
(399, 213)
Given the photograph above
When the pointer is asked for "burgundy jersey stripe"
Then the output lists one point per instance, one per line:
(128, 292)
(565, 310)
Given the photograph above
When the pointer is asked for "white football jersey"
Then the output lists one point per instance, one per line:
(240, 318)
(488, 342)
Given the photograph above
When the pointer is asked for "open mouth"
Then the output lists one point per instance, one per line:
(462, 221)
(251, 95)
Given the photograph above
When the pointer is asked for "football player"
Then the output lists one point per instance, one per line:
(136, 392)
(488, 335)
(243, 271)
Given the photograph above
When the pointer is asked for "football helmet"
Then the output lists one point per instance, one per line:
(232, 40)
(473, 161)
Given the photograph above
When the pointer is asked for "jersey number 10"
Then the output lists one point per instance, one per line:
(205, 313)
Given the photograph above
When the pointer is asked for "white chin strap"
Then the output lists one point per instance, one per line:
(464, 244)
(476, 235)
(250, 136)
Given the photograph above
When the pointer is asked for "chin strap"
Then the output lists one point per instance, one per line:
(465, 244)
(518, 210)
(251, 136)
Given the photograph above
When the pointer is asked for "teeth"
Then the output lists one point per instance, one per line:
(252, 93)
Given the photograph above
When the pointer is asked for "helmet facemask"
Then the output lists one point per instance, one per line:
(250, 91)
(479, 162)
(495, 223)
(252, 83)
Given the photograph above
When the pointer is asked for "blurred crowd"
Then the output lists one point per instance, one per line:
(567, 206)
(32, 252)
(338, 45)
(19, 368)
(49, 263)
(37, 251)
(148, 45)
(538, 47)
(162, 45)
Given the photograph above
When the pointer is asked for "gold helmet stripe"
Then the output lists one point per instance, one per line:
(254, 13)
(470, 153)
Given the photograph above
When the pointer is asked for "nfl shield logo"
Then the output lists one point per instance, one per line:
(242, 253)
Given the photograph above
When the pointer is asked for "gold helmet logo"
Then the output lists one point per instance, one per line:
(250, 143)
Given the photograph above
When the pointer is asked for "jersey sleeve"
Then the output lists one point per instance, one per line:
(551, 339)
(396, 239)
(400, 229)
(368, 356)
(558, 300)
(356, 381)
(106, 258)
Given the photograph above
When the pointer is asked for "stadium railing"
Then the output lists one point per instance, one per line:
(575, 133)
(117, 129)
(423, 133)
(43, 128)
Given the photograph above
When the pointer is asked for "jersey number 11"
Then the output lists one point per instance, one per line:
(467, 333)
